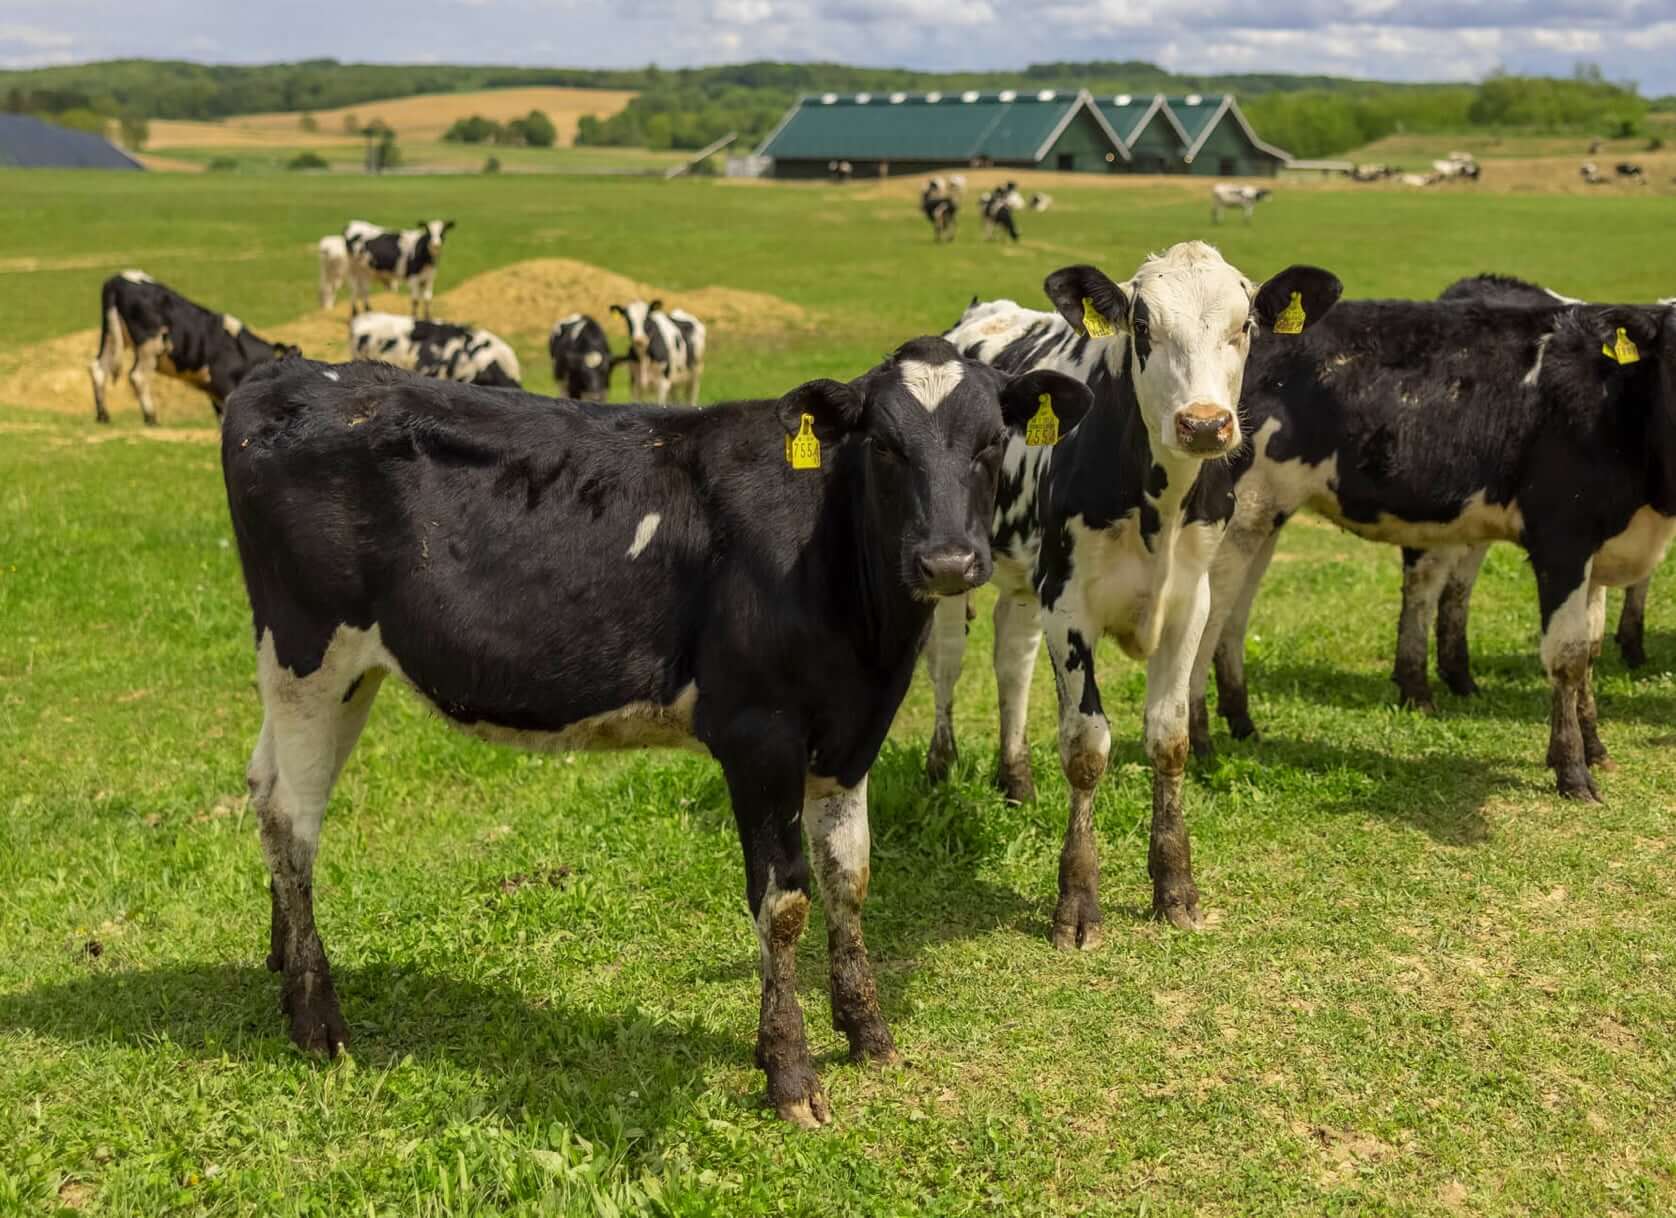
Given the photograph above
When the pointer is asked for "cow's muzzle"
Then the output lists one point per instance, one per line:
(949, 571)
(1204, 428)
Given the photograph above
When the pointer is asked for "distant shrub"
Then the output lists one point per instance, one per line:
(135, 131)
(222, 164)
(539, 131)
(1654, 144)
(492, 165)
(351, 124)
(80, 119)
(473, 130)
(307, 160)
(308, 122)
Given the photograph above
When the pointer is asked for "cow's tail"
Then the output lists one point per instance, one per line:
(112, 334)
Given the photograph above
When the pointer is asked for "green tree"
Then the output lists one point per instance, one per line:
(539, 131)
(135, 131)
(307, 160)
(308, 122)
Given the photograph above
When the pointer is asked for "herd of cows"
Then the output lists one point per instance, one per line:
(759, 579)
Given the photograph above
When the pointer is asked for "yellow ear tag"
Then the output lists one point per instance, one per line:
(1624, 351)
(1043, 427)
(1092, 321)
(1292, 317)
(803, 451)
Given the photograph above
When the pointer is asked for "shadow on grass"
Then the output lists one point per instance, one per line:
(598, 1072)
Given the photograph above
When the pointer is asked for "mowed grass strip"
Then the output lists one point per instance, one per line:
(1431, 987)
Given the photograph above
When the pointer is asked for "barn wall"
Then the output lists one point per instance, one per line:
(1086, 146)
(1229, 154)
(1157, 149)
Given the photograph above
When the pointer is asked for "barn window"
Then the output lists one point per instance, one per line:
(1227, 167)
(861, 99)
(1045, 95)
(933, 98)
(1007, 95)
(1067, 162)
(1123, 99)
(971, 95)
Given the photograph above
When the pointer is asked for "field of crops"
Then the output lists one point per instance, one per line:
(1429, 986)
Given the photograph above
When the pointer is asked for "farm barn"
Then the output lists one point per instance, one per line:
(899, 133)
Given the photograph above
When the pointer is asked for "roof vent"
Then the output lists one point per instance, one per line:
(971, 95)
(933, 98)
(1045, 95)
(861, 99)
(1193, 99)
(828, 98)
(1123, 99)
(1007, 95)
(896, 99)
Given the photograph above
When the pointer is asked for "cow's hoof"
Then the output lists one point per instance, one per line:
(1076, 923)
(1603, 763)
(1417, 700)
(875, 1055)
(151, 420)
(1460, 684)
(940, 758)
(1575, 782)
(797, 1097)
(1240, 727)
(102, 417)
(1203, 749)
(1181, 912)
(1635, 656)
(1015, 781)
(316, 1023)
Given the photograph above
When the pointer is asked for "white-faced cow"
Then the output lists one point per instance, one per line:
(1115, 532)
(578, 576)
(1433, 423)
(393, 257)
(334, 268)
(171, 335)
(667, 349)
(1228, 195)
(437, 349)
(582, 359)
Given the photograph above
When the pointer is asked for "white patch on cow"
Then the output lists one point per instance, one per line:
(137, 277)
(643, 533)
(930, 384)
(1565, 641)
(1631, 556)
(836, 820)
(1477, 520)
(1534, 376)
(232, 325)
(329, 375)
(592, 359)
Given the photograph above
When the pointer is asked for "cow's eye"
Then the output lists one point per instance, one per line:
(888, 449)
(1142, 329)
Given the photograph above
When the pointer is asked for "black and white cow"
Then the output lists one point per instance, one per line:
(577, 576)
(999, 209)
(941, 206)
(1433, 423)
(1115, 533)
(1438, 582)
(666, 350)
(582, 359)
(1631, 171)
(172, 335)
(394, 256)
(437, 349)
(334, 268)
(1228, 195)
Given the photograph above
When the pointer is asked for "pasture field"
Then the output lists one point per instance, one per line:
(1430, 987)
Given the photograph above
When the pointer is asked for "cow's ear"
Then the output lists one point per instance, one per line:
(837, 409)
(1024, 398)
(1088, 299)
(1628, 336)
(447, 224)
(655, 307)
(619, 310)
(1296, 299)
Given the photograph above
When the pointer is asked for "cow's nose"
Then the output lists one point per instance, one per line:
(948, 572)
(1203, 427)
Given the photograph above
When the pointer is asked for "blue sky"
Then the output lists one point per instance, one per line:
(1389, 39)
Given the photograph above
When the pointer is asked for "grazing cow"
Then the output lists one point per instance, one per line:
(1459, 165)
(666, 349)
(1419, 179)
(334, 269)
(1438, 582)
(1115, 533)
(393, 256)
(1228, 195)
(1040, 201)
(576, 576)
(840, 171)
(1372, 173)
(1432, 423)
(1591, 174)
(1632, 171)
(999, 208)
(169, 333)
(941, 205)
(582, 359)
(434, 348)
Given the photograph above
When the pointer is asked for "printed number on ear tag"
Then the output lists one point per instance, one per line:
(803, 451)
(1623, 351)
(1094, 322)
(1043, 427)
(1292, 317)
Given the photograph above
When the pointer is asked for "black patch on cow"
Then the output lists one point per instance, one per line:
(1140, 317)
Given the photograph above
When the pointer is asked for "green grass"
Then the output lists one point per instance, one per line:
(435, 155)
(1431, 987)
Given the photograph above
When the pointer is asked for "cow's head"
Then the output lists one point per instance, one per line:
(933, 428)
(1188, 317)
(582, 359)
(634, 315)
(437, 229)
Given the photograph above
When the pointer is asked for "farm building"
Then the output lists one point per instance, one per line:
(899, 133)
(30, 143)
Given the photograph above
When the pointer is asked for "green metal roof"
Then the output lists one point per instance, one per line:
(1194, 113)
(1131, 114)
(955, 127)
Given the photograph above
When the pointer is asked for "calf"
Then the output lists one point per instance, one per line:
(1114, 534)
(169, 333)
(393, 256)
(1425, 424)
(574, 576)
(582, 359)
(1228, 195)
(434, 348)
(666, 349)
(941, 206)
(1438, 582)
(334, 269)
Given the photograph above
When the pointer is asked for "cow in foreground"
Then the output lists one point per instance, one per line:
(334, 268)
(666, 349)
(582, 359)
(755, 580)
(1228, 196)
(393, 257)
(1439, 423)
(1113, 532)
(447, 352)
(172, 335)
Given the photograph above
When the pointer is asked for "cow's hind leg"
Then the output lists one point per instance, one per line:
(1084, 746)
(104, 365)
(309, 727)
(944, 651)
(1454, 658)
(141, 375)
(1018, 637)
(836, 818)
(1423, 575)
(1233, 699)
(1632, 625)
(1588, 714)
(1563, 592)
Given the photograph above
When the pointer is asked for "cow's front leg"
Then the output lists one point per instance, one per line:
(1169, 859)
(1454, 658)
(1632, 625)
(944, 651)
(1018, 637)
(836, 819)
(1423, 575)
(142, 374)
(766, 785)
(1084, 745)
(1563, 593)
(1588, 714)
